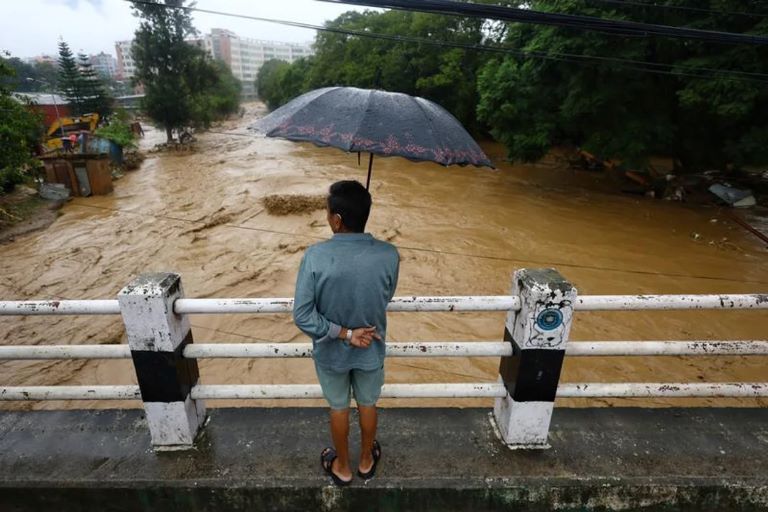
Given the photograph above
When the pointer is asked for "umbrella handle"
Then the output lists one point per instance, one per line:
(370, 168)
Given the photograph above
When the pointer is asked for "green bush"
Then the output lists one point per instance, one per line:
(21, 129)
(119, 132)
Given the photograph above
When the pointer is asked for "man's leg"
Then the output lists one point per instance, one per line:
(340, 435)
(368, 423)
(336, 389)
(366, 386)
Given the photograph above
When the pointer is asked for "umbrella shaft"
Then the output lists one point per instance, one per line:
(370, 168)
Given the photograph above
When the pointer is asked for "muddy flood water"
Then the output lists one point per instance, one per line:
(460, 231)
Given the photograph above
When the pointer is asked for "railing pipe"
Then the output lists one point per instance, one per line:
(677, 302)
(664, 390)
(400, 304)
(494, 390)
(493, 303)
(293, 391)
(65, 352)
(59, 307)
(403, 349)
(440, 390)
(407, 349)
(70, 393)
(668, 348)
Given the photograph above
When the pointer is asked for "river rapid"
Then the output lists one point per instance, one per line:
(460, 231)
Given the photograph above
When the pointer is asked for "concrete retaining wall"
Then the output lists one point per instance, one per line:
(434, 459)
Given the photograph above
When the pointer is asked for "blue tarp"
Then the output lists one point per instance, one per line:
(102, 146)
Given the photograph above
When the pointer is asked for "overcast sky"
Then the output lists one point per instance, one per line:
(33, 27)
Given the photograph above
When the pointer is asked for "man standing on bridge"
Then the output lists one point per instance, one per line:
(342, 291)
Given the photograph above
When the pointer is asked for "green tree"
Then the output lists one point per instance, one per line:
(268, 83)
(216, 92)
(292, 79)
(20, 131)
(443, 74)
(47, 75)
(703, 118)
(34, 77)
(162, 58)
(93, 89)
(70, 80)
(182, 85)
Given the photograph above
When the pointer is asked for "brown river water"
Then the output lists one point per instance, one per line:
(460, 231)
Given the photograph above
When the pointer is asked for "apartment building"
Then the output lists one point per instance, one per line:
(245, 56)
(104, 64)
(43, 59)
(126, 66)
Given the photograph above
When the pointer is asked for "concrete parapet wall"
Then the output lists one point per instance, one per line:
(434, 459)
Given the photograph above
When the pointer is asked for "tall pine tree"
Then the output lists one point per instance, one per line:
(70, 80)
(95, 97)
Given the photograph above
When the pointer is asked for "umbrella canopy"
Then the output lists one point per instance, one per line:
(377, 122)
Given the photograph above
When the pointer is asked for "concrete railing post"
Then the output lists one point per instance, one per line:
(157, 337)
(538, 333)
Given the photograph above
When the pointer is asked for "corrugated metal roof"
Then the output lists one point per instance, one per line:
(41, 98)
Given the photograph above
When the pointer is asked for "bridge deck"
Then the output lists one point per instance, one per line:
(434, 459)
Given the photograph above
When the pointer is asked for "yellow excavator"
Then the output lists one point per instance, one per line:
(65, 126)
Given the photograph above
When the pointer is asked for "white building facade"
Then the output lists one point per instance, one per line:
(126, 66)
(242, 55)
(245, 56)
(104, 64)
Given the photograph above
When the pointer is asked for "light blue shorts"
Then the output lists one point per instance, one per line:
(338, 387)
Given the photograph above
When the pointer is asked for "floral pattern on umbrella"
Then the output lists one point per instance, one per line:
(376, 122)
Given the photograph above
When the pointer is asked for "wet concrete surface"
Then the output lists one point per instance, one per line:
(433, 459)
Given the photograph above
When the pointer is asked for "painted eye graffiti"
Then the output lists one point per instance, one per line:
(549, 319)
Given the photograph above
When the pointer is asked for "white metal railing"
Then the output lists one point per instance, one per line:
(491, 390)
(404, 349)
(70, 393)
(400, 304)
(59, 307)
(440, 390)
(141, 320)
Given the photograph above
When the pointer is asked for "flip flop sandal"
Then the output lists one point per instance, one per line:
(327, 456)
(376, 454)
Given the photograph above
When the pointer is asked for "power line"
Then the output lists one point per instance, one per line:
(629, 64)
(512, 14)
(684, 8)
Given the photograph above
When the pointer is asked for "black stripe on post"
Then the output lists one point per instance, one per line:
(531, 375)
(165, 376)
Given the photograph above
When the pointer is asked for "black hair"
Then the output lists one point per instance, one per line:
(352, 202)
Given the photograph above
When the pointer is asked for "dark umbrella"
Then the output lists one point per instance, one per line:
(377, 122)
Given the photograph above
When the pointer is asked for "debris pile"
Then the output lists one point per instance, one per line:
(132, 160)
(280, 204)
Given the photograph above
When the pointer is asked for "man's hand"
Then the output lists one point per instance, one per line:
(363, 336)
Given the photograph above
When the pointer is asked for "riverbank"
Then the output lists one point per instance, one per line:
(23, 212)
